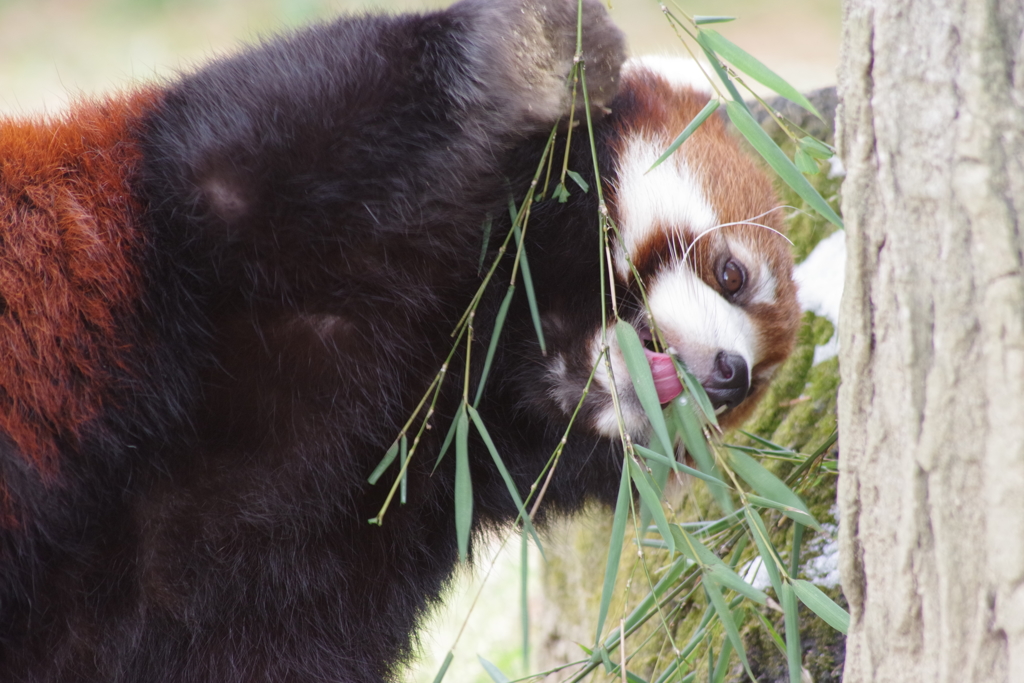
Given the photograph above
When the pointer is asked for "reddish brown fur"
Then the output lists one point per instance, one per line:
(660, 112)
(69, 268)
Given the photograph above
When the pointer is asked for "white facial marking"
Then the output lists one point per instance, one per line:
(606, 422)
(560, 389)
(765, 288)
(669, 197)
(695, 319)
(698, 321)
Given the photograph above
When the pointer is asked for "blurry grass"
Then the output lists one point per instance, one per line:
(492, 630)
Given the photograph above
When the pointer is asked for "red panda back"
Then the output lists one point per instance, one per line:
(69, 269)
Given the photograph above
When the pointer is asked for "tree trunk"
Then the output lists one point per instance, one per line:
(931, 417)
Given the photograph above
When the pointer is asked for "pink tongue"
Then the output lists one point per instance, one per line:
(665, 380)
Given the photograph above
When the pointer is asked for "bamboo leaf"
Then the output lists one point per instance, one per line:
(816, 148)
(826, 444)
(531, 297)
(693, 436)
(486, 228)
(727, 578)
(822, 605)
(697, 446)
(697, 636)
(770, 445)
(700, 118)
(778, 160)
(669, 674)
(813, 457)
(714, 567)
(654, 456)
(696, 391)
(493, 671)
(700, 20)
(614, 549)
(500, 464)
(448, 438)
(658, 470)
(776, 638)
(658, 457)
(716, 64)
(722, 665)
(794, 651)
(804, 163)
(630, 676)
(499, 324)
(748, 64)
(652, 500)
(794, 555)
(444, 667)
(403, 454)
(792, 618)
(560, 193)
(676, 570)
(463, 486)
(643, 382)
(728, 622)
(764, 547)
(385, 462)
(771, 487)
(524, 595)
(579, 180)
(710, 528)
(793, 513)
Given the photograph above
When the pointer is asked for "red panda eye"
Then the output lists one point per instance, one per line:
(732, 277)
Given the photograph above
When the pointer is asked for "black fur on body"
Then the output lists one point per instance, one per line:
(313, 215)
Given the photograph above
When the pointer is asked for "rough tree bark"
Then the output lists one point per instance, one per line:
(931, 417)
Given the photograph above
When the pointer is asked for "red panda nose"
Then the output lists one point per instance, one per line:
(729, 382)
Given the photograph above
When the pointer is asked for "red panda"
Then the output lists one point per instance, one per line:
(222, 297)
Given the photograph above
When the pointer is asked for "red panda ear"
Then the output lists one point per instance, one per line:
(70, 274)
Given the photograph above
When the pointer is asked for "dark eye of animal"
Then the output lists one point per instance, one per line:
(732, 277)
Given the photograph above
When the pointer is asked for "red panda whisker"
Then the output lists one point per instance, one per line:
(726, 225)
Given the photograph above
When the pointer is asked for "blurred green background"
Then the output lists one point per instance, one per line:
(53, 50)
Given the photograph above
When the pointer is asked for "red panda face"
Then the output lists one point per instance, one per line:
(702, 235)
